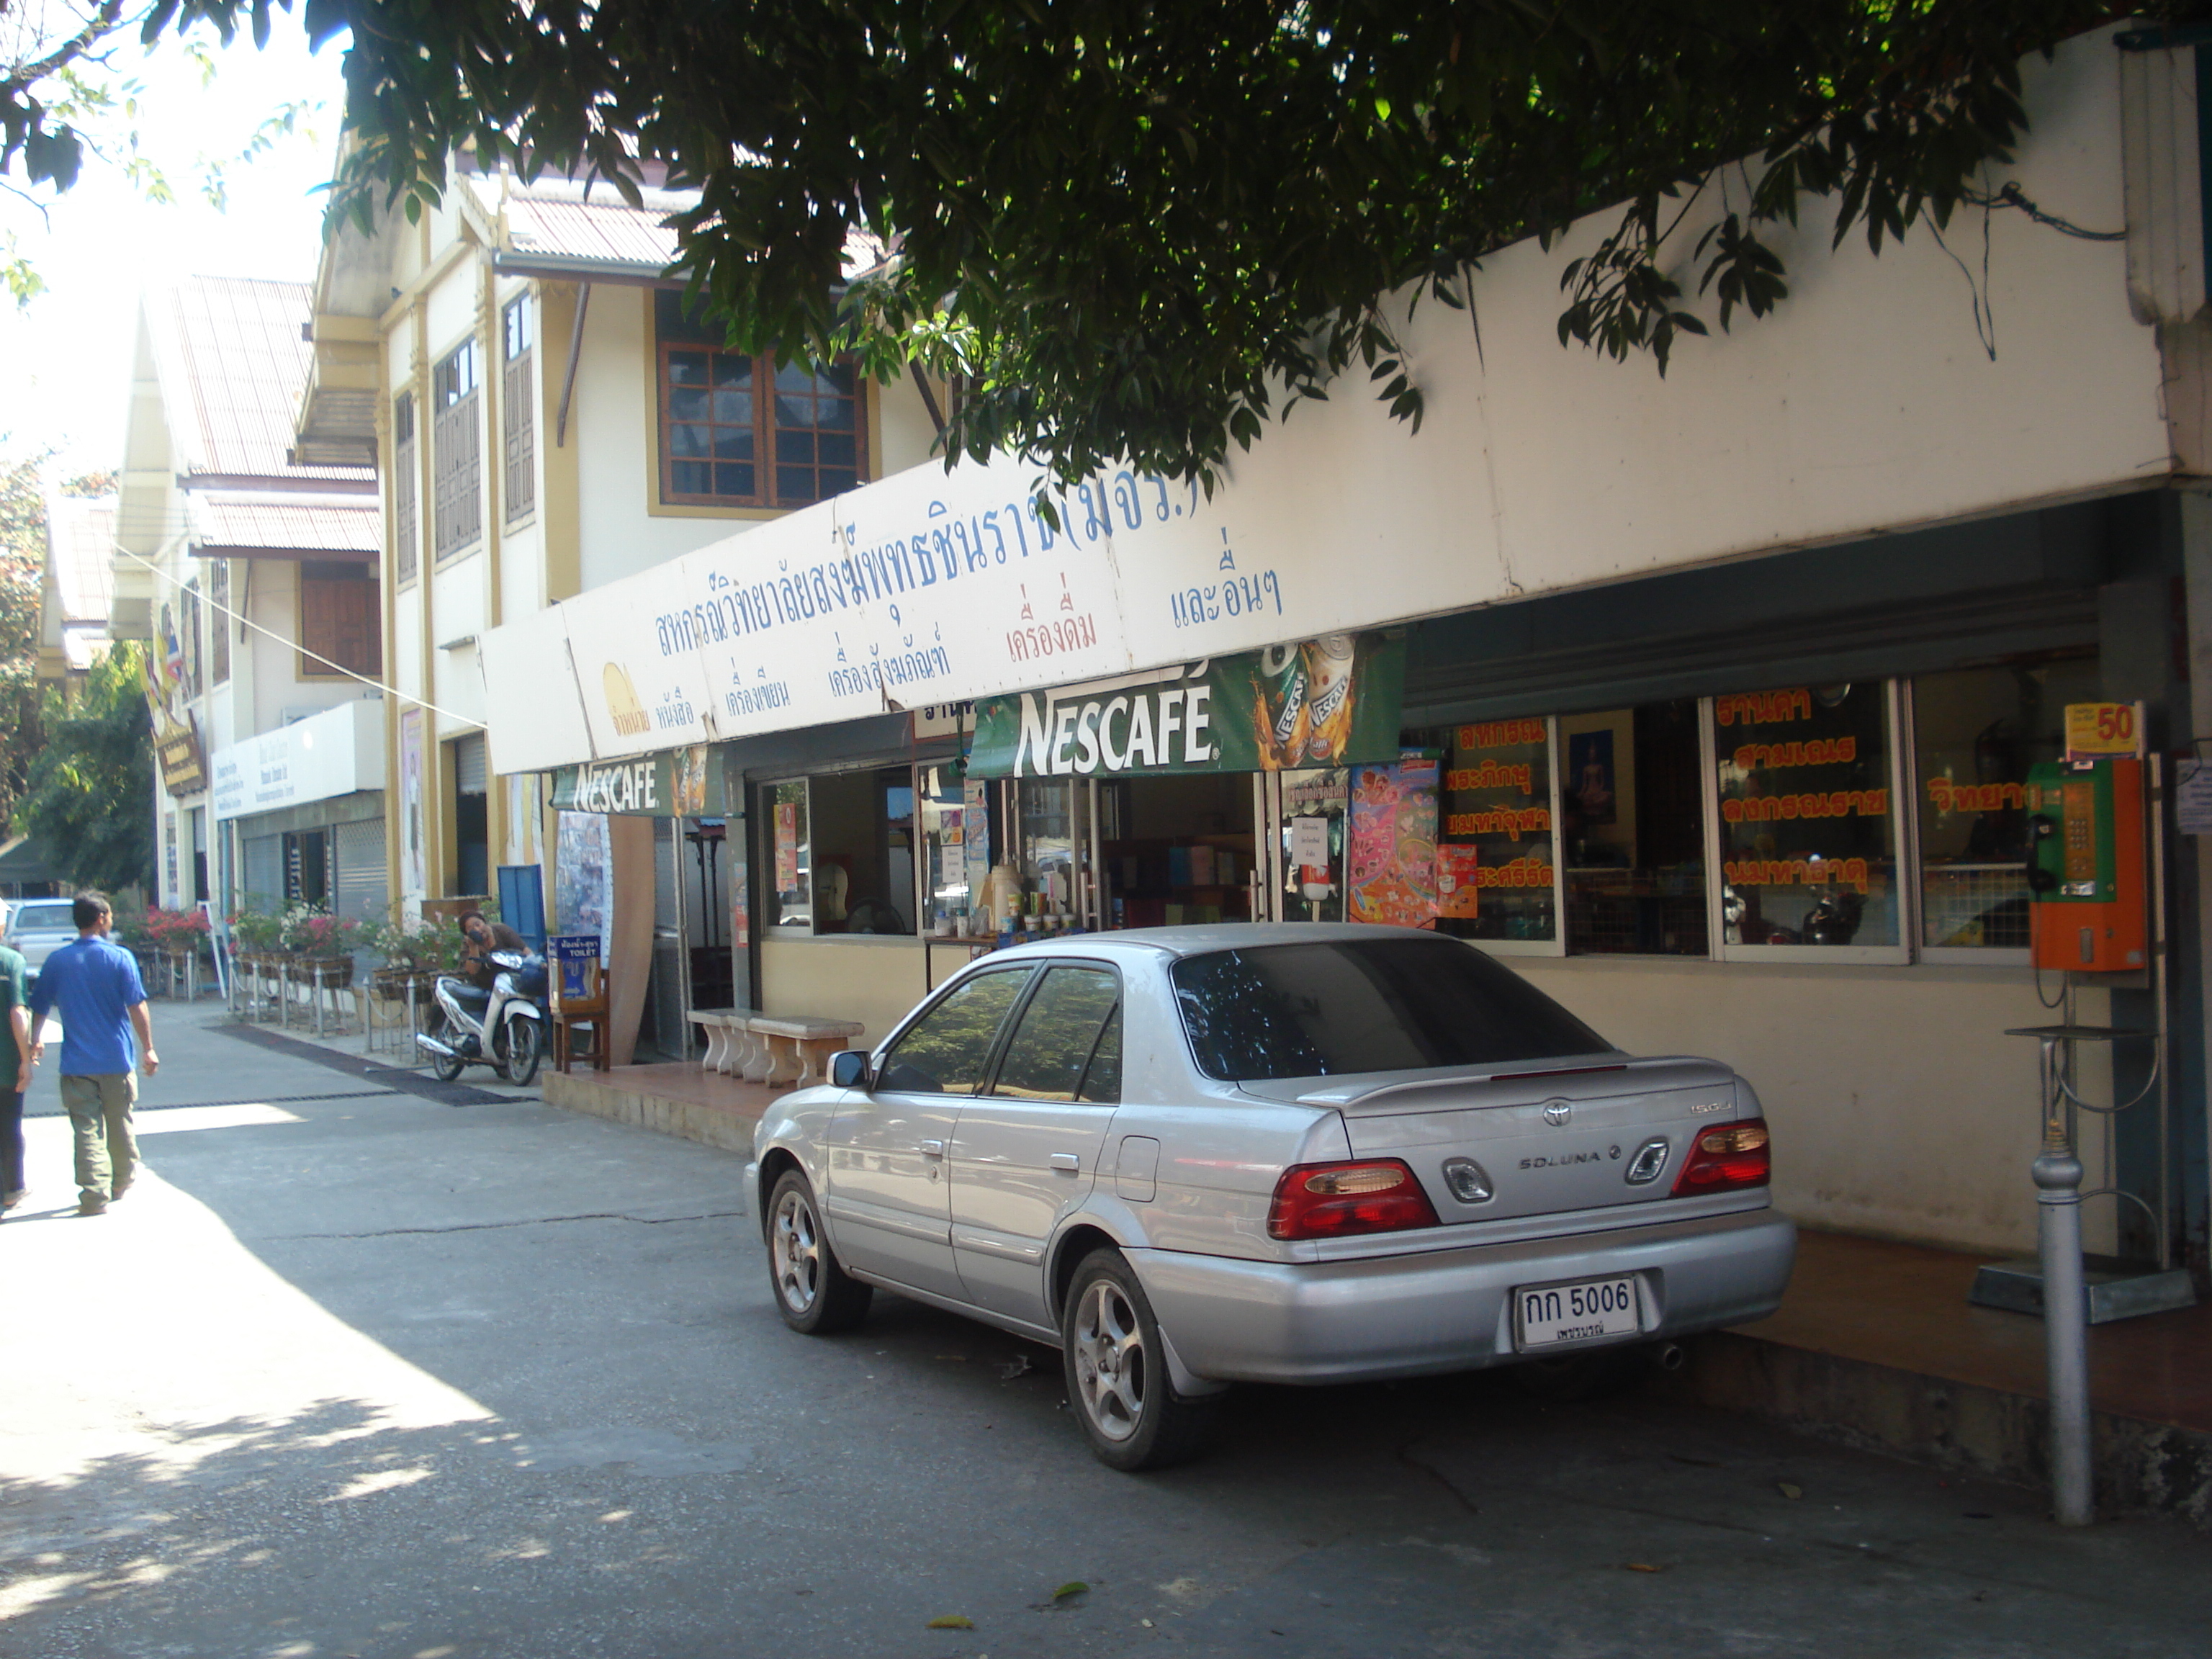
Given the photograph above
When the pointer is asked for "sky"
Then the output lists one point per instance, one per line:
(65, 360)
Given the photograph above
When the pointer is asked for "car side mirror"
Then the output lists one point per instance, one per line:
(848, 1069)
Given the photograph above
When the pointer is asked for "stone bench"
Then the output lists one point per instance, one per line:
(800, 1046)
(731, 1048)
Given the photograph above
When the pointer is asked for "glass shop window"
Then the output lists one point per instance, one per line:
(1494, 877)
(862, 845)
(1808, 828)
(952, 836)
(1315, 809)
(1632, 830)
(1976, 733)
(1177, 849)
(791, 870)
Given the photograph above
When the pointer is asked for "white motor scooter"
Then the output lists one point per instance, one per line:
(503, 1028)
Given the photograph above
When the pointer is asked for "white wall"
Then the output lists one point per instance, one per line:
(1898, 1108)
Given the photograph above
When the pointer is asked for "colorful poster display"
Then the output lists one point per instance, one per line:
(1458, 892)
(1391, 877)
(583, 877)
(1332, 700)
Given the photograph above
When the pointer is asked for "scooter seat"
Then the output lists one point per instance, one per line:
(470, 996)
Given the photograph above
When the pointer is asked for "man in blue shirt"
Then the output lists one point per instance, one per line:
(94, 983)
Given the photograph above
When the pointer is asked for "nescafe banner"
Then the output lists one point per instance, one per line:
(1336, 700)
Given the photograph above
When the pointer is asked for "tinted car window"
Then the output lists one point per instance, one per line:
(1390, 1005)
(1102, 1079)
(44, 917)
(948, 1048)
(1052, 1047)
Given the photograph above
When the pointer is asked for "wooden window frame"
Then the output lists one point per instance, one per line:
(517, 407)
(371, 665)
(457, 452)
(765, 429)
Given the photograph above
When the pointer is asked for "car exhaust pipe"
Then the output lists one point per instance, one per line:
(1671, 1357)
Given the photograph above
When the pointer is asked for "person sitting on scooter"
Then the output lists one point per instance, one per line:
(484, 937)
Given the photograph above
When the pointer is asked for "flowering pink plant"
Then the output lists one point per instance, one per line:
(175, 930)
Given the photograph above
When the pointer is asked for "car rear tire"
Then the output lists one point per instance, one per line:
(1117, 1373)
(813, 1292)
(1589, 1375)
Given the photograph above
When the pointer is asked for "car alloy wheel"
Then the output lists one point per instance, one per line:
(813, 1292)
(1115, 1361)
(796, 1251)
(1112, 1367)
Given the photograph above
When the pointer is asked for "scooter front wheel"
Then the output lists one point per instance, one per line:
(447, 1068)
(524, 1043)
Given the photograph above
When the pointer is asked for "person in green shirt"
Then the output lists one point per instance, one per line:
(15, 1072)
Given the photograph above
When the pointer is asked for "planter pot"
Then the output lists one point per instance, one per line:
(333, 973)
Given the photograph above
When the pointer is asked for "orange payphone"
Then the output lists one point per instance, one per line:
(2085, 872)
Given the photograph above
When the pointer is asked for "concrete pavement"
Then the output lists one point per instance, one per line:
(356, 1373)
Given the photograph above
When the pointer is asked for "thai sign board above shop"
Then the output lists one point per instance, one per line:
(926, 590)
(1322, 702)
(683, 783)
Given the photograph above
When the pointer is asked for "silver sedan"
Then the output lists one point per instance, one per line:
(1192, 1157)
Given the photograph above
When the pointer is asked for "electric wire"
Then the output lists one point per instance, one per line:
(245, 621)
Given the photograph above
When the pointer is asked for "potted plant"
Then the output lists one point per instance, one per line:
(320, 946)
(177, 933)
(254, 935)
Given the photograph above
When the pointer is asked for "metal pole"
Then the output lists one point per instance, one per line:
(2058, 1174)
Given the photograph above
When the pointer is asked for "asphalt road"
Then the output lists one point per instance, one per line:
(353, 1373)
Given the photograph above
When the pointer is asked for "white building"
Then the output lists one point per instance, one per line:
(255, 583)
(1845, 556)
(548, 422)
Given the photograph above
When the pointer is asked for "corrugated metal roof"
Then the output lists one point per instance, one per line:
(81, 545)
(611, 231)
(231, 362)
(554, 219)
(241, 526)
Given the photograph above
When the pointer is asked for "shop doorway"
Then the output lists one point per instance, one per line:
(1176, 850)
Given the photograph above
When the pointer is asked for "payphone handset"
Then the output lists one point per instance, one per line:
(2085, 868)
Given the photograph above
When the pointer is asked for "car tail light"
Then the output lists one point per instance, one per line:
(1328, 1200)
(1726, 1157)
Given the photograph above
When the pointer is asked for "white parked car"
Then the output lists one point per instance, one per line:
(39, 927)
(1192, 1157)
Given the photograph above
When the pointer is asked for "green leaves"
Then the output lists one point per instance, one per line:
(1146, 231)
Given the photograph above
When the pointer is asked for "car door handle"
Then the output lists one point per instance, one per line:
(932, 1149)
(1066, 1161)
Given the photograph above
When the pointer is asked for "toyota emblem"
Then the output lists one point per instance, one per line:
(1557, 1112)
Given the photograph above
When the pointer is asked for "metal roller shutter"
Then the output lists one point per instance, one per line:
(360, 881)
(471, 777)
(263, 857)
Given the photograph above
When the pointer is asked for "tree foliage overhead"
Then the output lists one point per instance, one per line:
(22, 573)
(1143, 228)
(90, 800)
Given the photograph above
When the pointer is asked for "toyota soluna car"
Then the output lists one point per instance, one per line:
(1192, 1157)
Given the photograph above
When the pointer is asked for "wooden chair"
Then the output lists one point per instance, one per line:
(590, 1009)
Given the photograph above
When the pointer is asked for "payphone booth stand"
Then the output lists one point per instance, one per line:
(2095, 910)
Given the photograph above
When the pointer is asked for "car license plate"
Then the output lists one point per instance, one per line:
(1548, 1314)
